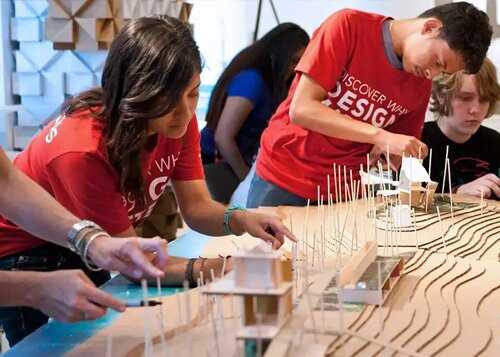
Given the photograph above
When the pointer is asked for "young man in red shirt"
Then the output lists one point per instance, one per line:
(362, 84)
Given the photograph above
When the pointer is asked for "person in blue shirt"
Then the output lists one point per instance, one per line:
(246, 95)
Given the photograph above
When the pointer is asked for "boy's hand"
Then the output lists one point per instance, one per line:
(400, 144)
(489, 184)
(377, 154)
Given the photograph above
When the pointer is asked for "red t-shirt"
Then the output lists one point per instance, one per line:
(346, 57)
(68, 159)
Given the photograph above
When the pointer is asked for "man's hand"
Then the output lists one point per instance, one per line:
(489, 184)
(129, 256)
(68, 296)
(263, 226)
(400, 144)
(378, 154)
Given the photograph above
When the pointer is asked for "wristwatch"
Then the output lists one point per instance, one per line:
(75, 231)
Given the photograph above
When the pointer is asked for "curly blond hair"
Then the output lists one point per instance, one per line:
(444, 88)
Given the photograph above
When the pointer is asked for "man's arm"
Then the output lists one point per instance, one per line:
(37, 212)
(234, 115)
(307, 110)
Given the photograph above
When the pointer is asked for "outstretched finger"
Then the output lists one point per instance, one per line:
(136, 256)
(103, 299)
(282, 231)
(159, 246)
(127, 269)
(264, 235)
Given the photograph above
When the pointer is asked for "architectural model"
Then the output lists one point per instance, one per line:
(411, 179)
(352, 285)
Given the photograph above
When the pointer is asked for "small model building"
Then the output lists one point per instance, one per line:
(409, 188)
(367, 278)
(411, 191)
(263, 279)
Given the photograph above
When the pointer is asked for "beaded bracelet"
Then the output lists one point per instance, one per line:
(189, 277)
(227, 217)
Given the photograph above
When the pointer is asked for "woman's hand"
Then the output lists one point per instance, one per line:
(263, 226)
(68, 296)
(129, 255)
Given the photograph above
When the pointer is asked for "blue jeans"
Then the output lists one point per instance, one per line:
(263, 193)
(19, 322)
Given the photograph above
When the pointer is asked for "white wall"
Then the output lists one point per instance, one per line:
(310, 13)
(494, 55)
(223, 27)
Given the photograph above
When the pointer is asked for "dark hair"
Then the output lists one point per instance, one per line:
(149, 65)
(466, 29)
(273, 56)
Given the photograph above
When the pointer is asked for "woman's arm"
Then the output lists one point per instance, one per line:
(176, 267)
(234, 115)
(205, 215)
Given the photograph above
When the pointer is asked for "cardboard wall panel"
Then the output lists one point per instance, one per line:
(62, 47)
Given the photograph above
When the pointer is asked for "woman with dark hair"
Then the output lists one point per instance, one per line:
(246, 95)
(110, 154)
